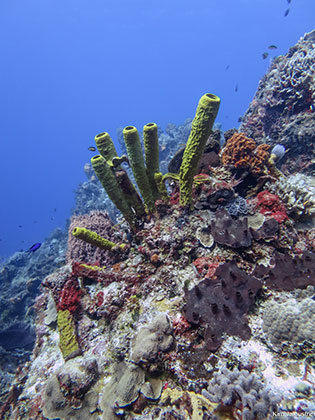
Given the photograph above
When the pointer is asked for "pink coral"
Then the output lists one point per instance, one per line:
(270, 205)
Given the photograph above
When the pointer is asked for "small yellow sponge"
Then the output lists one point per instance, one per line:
(68, 343)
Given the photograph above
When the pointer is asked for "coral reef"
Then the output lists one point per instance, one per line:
(192, 302)
(282, 110)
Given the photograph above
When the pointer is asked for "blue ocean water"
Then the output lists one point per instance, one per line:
(73, 68)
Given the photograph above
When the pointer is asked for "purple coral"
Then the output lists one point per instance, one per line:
(221, 305)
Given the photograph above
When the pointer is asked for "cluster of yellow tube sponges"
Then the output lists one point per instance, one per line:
(150, 181)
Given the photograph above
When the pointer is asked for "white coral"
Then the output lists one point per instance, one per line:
(297, 192)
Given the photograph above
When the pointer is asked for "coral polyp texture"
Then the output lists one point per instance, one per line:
(196, 302)
(242, 152)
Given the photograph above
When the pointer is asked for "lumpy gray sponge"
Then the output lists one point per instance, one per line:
(242, 390)
(290, 321)
(152, 339)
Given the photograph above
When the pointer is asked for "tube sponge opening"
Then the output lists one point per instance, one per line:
(151, 151)
(105, 146)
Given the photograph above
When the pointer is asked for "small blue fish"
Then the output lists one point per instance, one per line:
(35, 247)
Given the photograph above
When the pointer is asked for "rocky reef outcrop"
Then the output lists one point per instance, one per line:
(283, 108)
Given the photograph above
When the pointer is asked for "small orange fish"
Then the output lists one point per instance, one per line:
(92, 149)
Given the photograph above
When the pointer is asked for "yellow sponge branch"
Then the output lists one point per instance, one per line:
(136, 160)
(206, 113)
(105, 146)
(93, 238)
(109, 182)
(68, 343)
(151, 152)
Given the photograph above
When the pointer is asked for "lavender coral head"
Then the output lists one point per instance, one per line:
(278, 151)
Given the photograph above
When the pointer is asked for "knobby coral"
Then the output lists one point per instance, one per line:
(242, 152)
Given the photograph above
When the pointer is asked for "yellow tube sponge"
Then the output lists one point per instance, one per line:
(109, 182)
(136, 160)
(105, 146)
(68, 343)
(206, 113)
(93, 238)
(159, 180)
(151, 152)
(130, 193)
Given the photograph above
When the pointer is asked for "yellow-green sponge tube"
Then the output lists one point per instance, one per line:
(105, 146)
(158, 178)
(93, 238)
(108, 180)
(131, 194)
(151, 152)
(68, 343)
(134, 151)
(206, 113)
